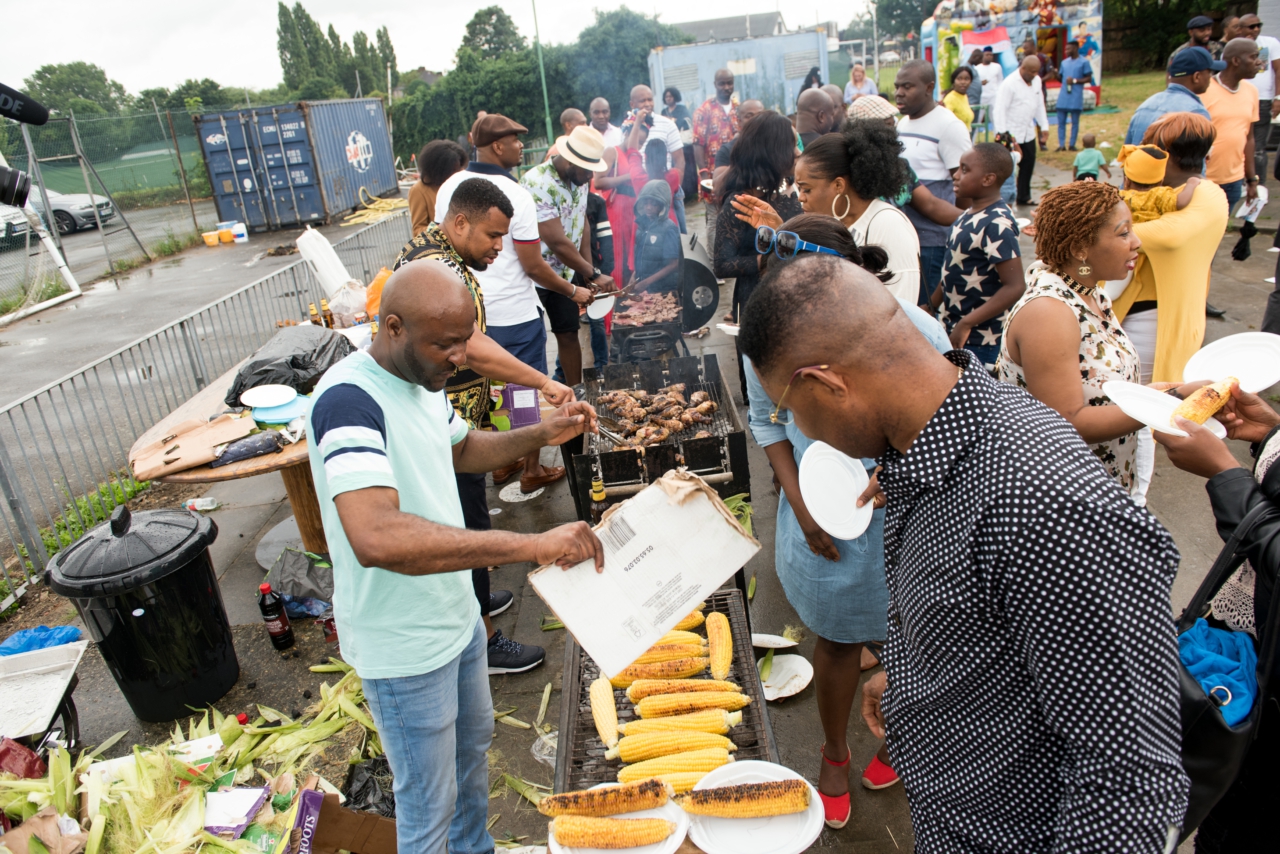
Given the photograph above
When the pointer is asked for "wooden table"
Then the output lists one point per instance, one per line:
(292, 462)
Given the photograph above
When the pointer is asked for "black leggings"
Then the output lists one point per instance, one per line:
(475, 512)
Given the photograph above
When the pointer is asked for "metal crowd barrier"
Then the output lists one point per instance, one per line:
(64, 449)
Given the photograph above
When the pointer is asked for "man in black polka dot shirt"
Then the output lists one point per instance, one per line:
(1031, 664)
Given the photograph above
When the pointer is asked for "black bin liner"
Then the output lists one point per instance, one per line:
(369, 788)
(296, 356)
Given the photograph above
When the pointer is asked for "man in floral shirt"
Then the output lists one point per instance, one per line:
(714, 124)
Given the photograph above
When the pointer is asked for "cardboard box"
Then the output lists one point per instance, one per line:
(666, 549)
(322, 826)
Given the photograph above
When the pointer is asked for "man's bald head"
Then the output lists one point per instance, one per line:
(572, 118)
(641, 97)
(1241, 56)
(1030, 68)
(748, 110)
(814, 112)
(427, 317)
(836, 94)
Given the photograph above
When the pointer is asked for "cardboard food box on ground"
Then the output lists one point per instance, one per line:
(321, 825)
(666, 549)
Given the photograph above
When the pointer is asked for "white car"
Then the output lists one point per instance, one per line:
(13, 228)
(890, 56)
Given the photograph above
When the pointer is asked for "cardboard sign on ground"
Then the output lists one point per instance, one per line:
(666, 550)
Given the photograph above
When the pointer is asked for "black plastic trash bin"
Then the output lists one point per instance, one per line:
(145, 587)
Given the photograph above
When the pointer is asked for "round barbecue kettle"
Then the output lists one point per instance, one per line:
(699, 291)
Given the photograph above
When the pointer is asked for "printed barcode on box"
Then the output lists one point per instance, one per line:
(617, 535)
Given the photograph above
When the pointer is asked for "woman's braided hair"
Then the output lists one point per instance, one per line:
(1069, 218)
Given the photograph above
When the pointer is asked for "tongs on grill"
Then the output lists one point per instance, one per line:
(613, 437)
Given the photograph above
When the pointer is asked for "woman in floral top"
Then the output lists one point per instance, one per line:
(1061, 339)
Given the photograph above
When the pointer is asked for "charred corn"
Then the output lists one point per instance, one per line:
(690, 622)
(580, 831)
(721, 639)
(674, 636)
(661, 705)
(682, 781)
(695, 760)
(642, 688)
(638, 748)
(604, 712)
(670, 652)
(748, 800)
(716, 721)
(630, 797)
(681, 668)
(1204, 402)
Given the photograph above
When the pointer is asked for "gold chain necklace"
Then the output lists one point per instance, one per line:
(1083, 290)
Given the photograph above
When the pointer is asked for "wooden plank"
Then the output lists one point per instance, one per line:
(205, 404)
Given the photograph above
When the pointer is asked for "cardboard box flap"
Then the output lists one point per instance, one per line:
(189, 444)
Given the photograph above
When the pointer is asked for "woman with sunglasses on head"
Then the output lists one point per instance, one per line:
(849, 175)
(762, 161)
(837, 587)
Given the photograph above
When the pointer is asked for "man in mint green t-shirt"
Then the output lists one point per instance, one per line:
(385, 444)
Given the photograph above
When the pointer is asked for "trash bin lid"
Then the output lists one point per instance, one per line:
(130, 550)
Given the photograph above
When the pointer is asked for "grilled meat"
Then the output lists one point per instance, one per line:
(702, 434)
(698, 397)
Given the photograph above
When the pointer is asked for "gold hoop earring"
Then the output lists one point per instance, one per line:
(847, 205)
(1084, 269)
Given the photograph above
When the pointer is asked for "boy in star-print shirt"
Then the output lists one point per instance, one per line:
(982, 275)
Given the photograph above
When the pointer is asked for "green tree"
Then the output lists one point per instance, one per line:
(491, 33)
(1163, 25)
(899, 17)
(293, 50)
(365, 60)
(387, 54)
(612, 55)
(321, 89)
(319, 51)
(210, 92)
(77, 86)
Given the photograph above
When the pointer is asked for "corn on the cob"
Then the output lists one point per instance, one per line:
(682, 781)
(604, 712)
(716, 721)
(580, 831)
(670, 652)
(1204, 402)
(674, 636)
(631, 797)
(642, 688)
(748, 800)
(681, 668)
(661, 705)
(720, 637)
(637, 748)
(690, 622)
(695, 760)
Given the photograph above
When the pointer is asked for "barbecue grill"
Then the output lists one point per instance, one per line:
(580, 762)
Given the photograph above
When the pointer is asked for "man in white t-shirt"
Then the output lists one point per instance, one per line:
(664, 129)
(1268, 106)
(600, 113)
(933, 141)
(991, 75)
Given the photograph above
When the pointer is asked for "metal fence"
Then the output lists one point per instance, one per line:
(64, 449)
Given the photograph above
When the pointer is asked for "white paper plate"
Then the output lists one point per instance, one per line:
(789, 675)
(764, 641)
(1022, 222)
(1251, 357)
(602, 306)
(730, 329)
(779, 834)
(1153, 408)
(267, 395)
(831, 483)
(670, 811)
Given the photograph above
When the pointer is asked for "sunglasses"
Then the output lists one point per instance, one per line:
(778, 416)
(1256, 26)
(786, 244)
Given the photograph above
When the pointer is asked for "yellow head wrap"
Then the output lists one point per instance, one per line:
(1142, 166)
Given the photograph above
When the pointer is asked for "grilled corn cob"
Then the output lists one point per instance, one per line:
(748, 800)
(580, 831)
(721, 640)
(674, 636)
(1204, 402)
(631, 797)
(690, 622)
(637, 748)
(681, 668)
(670, 652)
(695, 760)
(604, 712)
(661, 705)
(642, 688)
(682, 781)
(716, 721)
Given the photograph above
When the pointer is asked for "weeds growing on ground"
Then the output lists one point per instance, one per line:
(52, 288)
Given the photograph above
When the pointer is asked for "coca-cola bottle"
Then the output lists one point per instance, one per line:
(272, 608)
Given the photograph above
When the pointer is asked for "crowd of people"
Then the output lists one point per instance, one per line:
(1011, 582)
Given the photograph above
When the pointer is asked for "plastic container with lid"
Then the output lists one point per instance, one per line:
(146, 590)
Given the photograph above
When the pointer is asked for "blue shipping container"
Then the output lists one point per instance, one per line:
(769, 69)
(271, 167)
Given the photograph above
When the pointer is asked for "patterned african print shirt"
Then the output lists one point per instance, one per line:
(1029, 636)
(979, 241)
(467, 390)
(554, 197)
(713, 127)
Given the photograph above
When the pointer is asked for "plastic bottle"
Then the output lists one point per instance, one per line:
(314, 315)
(598, 502)
(272, 608)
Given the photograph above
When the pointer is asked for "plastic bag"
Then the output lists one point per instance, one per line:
(300, 574)
(257, 445)
(296, 356)
(22, 762)
(369, 788)
(347, 303)
(41, 637)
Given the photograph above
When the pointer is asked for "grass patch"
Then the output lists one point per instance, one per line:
(122, 265)
(50, 289)
(89, 509)
(173, 244)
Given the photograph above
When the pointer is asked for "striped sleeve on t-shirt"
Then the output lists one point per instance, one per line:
(349, 428)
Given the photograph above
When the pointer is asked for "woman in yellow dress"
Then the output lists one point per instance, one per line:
(956, 99)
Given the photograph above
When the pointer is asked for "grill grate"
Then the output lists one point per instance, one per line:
(720, 426)
(580, 762)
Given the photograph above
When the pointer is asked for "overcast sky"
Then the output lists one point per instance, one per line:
(149, 43)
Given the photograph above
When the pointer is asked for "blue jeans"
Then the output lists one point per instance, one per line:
(931, 260)
(435, 729)
(1234, 191)
(1065, 116)
(678, 204)
(526, 341)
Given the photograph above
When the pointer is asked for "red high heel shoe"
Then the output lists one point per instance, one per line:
(836, 809)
